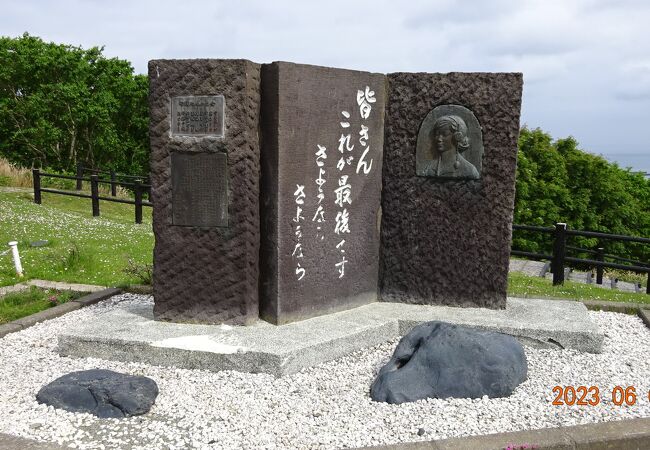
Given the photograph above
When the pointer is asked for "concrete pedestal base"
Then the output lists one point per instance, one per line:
(129, 333)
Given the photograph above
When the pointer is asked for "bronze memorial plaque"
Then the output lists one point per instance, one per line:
(199, 189)
(198, 115)
(450, 144)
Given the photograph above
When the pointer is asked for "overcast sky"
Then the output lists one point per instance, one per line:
(586, 63)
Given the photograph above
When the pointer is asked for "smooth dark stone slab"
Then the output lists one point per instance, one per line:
(321, 167)
(206, 271)
(103, 393)
(446, 241)
(442, 360)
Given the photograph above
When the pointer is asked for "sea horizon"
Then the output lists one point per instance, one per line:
(637, 162)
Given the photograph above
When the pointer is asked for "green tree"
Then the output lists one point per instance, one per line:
(541, 196)
(558, 182)
(60, 105)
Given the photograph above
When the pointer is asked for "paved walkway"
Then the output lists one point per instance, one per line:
(629, 434)
(542, 269)
(15, 189)
(44, 284)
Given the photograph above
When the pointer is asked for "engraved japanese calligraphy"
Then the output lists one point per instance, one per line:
(199, 115)
(326, 170)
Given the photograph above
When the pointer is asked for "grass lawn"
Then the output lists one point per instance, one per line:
(82, 248)
(21, 304)
(520, 285)
(96, 250)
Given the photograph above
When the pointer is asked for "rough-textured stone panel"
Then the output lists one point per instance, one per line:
(304, 107)
(207, 274)
(448, 241)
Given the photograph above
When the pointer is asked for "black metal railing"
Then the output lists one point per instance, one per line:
(113, 176)
(559, 257)
(137, 186)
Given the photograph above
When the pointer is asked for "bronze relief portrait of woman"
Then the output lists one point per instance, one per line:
(450, 144)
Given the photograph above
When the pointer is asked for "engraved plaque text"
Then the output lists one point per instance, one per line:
(200, 189)
(198, 115)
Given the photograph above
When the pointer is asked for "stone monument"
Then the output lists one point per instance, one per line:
(285, 192)
(323, 132)
(205, 169)
(450, 156)
(267, 189)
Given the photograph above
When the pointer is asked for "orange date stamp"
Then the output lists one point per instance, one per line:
(591, 395)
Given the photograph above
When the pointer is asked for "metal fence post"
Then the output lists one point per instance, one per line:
(94, 193)
(138, 201)
(80, 174)
(113, 184)
(37, 186)
(600, 256)
(559, 252)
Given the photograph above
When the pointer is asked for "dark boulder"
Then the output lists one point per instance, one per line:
(104, 393)
(442, 360)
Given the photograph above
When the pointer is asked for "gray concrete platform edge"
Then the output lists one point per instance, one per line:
(130, 333)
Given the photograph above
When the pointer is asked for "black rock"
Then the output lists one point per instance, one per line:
(442, 360)
(104, 393)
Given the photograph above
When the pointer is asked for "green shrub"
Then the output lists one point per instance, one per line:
(557, 182)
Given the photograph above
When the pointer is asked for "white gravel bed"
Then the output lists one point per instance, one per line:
(326, 406)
